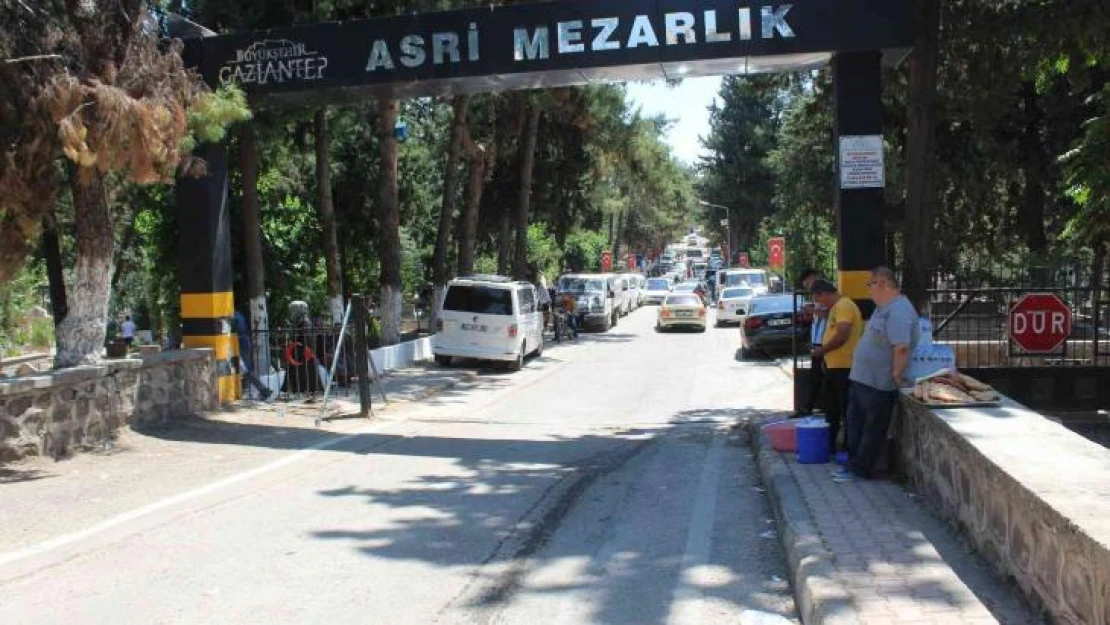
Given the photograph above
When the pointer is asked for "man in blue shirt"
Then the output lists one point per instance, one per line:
(878, 370)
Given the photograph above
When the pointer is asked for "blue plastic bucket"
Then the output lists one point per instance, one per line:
(813, 441)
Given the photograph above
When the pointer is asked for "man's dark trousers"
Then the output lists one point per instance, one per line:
(869, 414)
(836, 404)
(816, 384)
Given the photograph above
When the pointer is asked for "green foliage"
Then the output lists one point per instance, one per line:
(543, 251)
(212, 113)
(583, 250)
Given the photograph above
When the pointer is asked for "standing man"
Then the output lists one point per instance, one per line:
(842, 334)
(127, 331)
(878, 370)
(816, 336)
(246, 360)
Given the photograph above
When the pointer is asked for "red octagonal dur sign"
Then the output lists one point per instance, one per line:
(1040, 322)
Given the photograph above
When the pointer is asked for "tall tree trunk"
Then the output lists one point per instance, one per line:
(1036, 172)
(55, 274)
(504, 241)
(326, 208)
(921, 187)
(447, 207)
(524, 202)
(616, 246)
(125, 244)
(468, 220)
(389, 225)
(252, 245)
(81, 335)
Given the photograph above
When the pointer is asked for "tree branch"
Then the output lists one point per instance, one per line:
(36, 57)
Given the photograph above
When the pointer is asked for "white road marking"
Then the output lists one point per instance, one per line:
(687, 604)
(73, 537)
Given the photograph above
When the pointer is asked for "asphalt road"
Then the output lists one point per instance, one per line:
(608, 482)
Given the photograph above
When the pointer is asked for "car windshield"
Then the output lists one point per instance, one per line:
(656, 284)
(772, 305)
(734, 293)
(682, 300)
(752, 279)
(482, 300)
(686, 286)
(581, 284)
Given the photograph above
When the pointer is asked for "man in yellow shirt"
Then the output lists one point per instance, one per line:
(845, 326)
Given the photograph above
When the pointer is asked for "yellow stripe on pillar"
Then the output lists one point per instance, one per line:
(207, 305)
(226, 351)
(853, 284)
(226, 346)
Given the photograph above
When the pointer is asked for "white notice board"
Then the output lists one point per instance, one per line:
(861, 162)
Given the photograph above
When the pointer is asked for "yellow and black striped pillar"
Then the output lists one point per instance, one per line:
(857, 84)
(204, 270)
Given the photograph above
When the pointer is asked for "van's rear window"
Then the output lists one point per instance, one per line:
(479, 299)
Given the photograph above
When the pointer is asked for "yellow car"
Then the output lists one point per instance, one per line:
(682, 310)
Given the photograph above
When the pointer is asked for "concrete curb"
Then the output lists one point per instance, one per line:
(820, 598)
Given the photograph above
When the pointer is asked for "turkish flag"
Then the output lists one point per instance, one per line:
(776, 252)
(606, 261)
(744, 261)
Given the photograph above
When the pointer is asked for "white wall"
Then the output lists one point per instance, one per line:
(402, 354)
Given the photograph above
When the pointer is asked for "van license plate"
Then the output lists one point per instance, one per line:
(474, 327)
(779, 322)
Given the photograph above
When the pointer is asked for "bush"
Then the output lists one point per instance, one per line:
(42, 332)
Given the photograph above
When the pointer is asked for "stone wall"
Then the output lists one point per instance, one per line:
(1029, 494)
(62, 412)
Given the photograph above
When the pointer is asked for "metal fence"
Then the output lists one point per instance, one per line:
(295, 363)
(970, 311)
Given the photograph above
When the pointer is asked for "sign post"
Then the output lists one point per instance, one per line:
(1040, 322)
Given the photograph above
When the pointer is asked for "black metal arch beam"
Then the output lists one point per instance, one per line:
(549, 44)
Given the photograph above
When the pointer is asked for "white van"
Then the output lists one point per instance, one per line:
(754, 278)
(489, 318)
(635, 289)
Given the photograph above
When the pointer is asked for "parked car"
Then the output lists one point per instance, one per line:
(681, 310)
(597, 299)
(656, 290)
(489, 318)
(635, 289)
(773, 323)
(733, 305)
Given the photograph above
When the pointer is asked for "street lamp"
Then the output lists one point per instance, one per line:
(728, 227)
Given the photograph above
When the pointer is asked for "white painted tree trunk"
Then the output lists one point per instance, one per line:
(80, 337)
(391, 315)
(260, 336)
(438, 296)
(335, 307)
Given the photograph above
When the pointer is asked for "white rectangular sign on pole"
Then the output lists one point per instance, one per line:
(861, 162)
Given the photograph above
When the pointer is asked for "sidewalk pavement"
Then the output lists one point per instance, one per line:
(867, 552)
(139, 467)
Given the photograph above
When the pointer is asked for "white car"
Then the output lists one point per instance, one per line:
(681, 310)
(733, 305)
(656, 290)
(635, 289)
(489, 318)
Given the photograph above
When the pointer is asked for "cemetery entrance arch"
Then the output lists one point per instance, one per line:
(547, 45)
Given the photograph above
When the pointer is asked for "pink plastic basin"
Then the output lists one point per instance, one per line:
(783, 435)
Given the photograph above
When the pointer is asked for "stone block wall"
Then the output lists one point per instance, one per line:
(62, 412)
(1028, 494)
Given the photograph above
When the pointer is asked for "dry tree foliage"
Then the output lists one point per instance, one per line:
(82, 80)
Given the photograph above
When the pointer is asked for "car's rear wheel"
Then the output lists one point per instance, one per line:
(443, 361)
(518, 364)
(539, 350)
